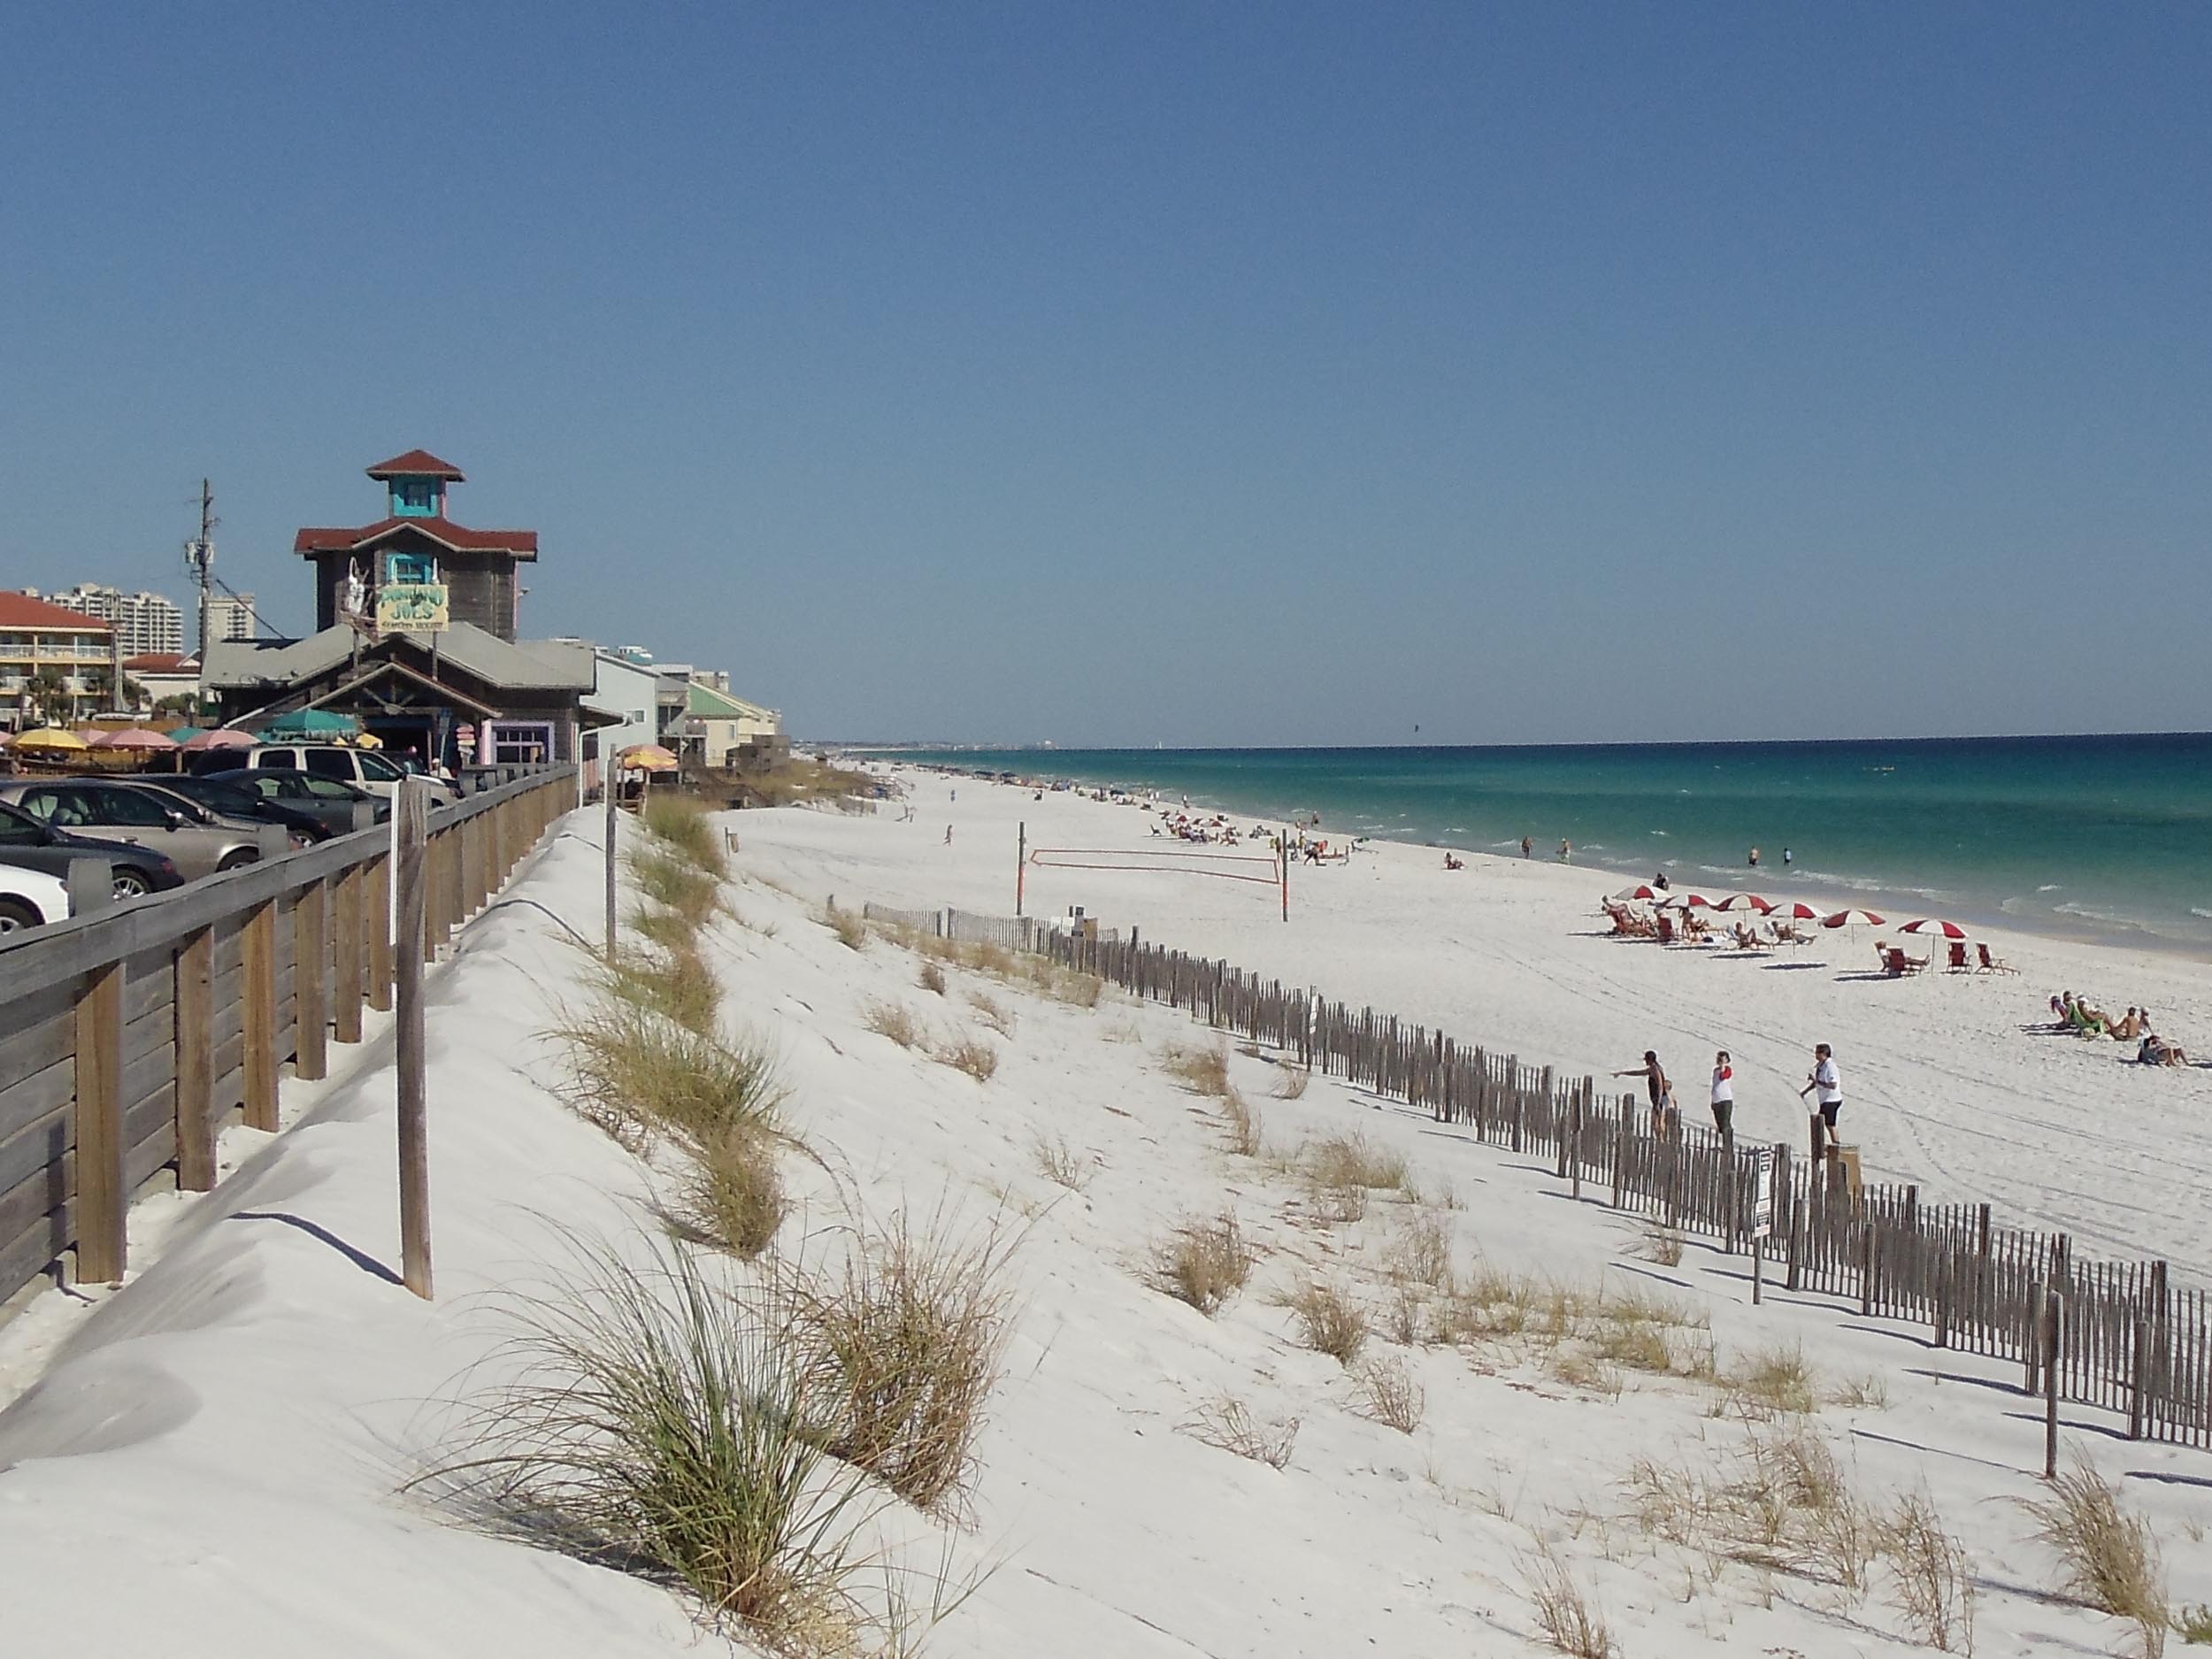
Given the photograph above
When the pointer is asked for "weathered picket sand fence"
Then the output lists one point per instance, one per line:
(129, 1036)
(2124, 1337)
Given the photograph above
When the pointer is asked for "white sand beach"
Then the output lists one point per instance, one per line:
(208, 1462)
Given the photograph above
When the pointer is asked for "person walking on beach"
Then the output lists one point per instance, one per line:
(1829, 1101)
(1724, 1096)
(1656, 1087)
(948, 834)
(1528, 848)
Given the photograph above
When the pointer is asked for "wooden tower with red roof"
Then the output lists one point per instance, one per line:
(416, 543)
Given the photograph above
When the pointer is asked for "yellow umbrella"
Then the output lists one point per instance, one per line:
(53, 737)
(647, 757)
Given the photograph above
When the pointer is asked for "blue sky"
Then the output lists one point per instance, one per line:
(1129, 373)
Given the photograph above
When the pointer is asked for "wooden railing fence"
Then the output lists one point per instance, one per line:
(2130, 1341)
(129, 1036)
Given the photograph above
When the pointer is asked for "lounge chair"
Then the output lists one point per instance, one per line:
(1899, 964)
(1958, 963)
(1790, 934)
(1990, 965)
(1747, 940)
(1666, 928)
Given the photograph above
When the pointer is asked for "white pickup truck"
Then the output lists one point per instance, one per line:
(363, 767)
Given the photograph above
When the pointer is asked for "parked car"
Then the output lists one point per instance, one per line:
(28, 844)
(30, 898)
(364, 768)
(214, 795)
(328, 800)
(199, 842)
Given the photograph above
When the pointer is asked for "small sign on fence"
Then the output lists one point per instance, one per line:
(1763, 1193)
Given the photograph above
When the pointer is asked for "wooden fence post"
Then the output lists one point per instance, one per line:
(2052, 1310)
(345, 988)
(311, 966)
(610, 873)
(414, 1136)
(257, 957)
(101, 1197)
(2140, 1382)
(193, 1003)
(376, 915)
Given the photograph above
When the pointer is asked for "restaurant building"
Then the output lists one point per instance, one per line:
(419, 623)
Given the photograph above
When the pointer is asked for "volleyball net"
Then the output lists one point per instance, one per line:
(1269, 869)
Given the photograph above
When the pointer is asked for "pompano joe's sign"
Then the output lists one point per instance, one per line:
(412, 607)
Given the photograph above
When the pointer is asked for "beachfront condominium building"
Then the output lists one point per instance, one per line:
(145, 623)
(55, 661)
(231, 617)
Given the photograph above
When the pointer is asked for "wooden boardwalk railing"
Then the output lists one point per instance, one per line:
(2129, 1341)
(129, 1036)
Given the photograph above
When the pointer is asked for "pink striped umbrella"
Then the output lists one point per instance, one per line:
(1853, 919)
(1928, 925)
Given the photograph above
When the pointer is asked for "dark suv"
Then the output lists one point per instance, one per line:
(26, 842)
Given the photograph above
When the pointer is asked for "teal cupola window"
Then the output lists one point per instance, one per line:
(417, 498)
(409, 567)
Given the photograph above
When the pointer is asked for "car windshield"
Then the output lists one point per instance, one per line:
(17, 830)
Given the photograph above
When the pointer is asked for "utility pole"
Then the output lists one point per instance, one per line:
(199, 558)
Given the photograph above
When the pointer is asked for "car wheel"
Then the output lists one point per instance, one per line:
(15, 915)
(131, 884)
(238, 860)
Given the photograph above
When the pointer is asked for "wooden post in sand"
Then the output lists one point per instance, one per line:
(2053, 1305)
(611, 812)
(1021, 863)
(410, 811)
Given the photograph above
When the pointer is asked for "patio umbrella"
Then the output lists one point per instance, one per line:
(1929, 924)
(1696, 901)
(1853, 919)
(182, 734)
(135, 737)
(1795, 910)
(222, 737)
(647, 757)
(51, 737)
(1642, 890)
(311, 723)
(1745, 901)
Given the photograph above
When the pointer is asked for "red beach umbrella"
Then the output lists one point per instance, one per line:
(1703, 901)
(1928, 925)
(1642, 890)
(1795, 910)
(1853, 919)
(1745, 901)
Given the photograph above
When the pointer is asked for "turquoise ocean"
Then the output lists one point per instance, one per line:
(2104, 838)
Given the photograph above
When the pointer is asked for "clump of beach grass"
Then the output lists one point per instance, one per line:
(1204, 1263)
(993, 1013)
(1933, 1576)
(1392, 1395)
(636, 1074)
(675, 982)
(902, 1337)
(894, 1020)
(851, 930)
(967, 1053)
(681, 823)
(660, 1422)
(1060, 1163)
(1292, 1084)
(2108, 1557)
(1246, 1129)
(1203, 1069)
(1772, 1382)
(729, 1194)
(1228, 1425)
(1329, 1320)
(669, 879)
(1566, 1616)
(932, 978)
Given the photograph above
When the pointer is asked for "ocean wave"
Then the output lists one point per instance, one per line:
(2193, 911)
(1658, 832)
(2051, 886)
(1865, 884)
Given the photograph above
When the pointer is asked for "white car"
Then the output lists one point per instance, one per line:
(30, 898)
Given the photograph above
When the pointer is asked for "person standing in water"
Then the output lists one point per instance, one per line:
(1528, 848)
(1786, 858)
(1566, 850)
(1754, 858)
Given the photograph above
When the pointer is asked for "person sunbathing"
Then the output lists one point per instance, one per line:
(2131, 1026)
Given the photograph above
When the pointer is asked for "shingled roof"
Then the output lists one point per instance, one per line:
(460, 538)
(417, 464)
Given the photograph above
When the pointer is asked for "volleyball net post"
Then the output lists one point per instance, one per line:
(1021, 863)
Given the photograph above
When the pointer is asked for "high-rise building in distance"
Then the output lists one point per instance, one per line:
(230, 617)
(144, 624)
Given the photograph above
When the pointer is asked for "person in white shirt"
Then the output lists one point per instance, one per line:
(1723, 1093)
(1829, 1101)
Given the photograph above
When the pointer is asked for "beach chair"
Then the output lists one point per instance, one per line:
(1666, 928)
(1991, 965)
(1899, 964)
(1958, 963)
